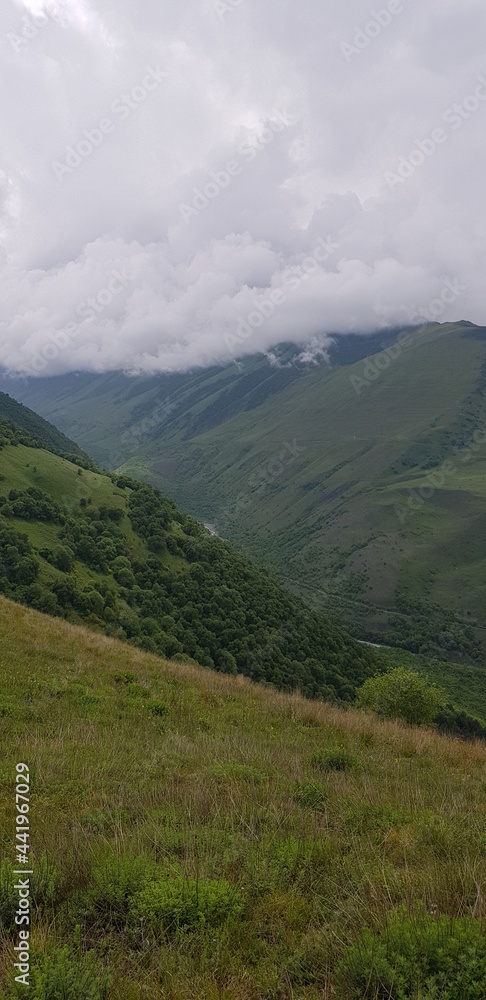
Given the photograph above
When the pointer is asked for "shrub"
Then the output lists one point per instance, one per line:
(169, 904)
(125, 678)
(289, 859)
(64, 976)
(401, 694)
(333, 759)
(137, 691)
(159, 708)
(309, 793)
(418, 957)
(114, 883)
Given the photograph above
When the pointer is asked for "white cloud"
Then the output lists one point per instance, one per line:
(225, 81)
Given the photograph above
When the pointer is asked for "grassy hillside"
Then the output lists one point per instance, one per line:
(117, 554)
(363, 481)
(195, 835)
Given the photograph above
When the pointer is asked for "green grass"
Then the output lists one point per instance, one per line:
(236, 844)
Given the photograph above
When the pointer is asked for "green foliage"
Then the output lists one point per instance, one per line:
(401, 694)
(167, 904)
(417, 957)
(333, 759)
(311, 794)
(64, 975)
(289, 859)
(115, 881)
(125, 678)
(8, 897)
(159, 708)
(458, 723)
(19, 425)
(62, 558)
(208, 606)
(465, 691)
(328, 512)
(31, 505)
(45, 883)
(18, 565)
(426, 628)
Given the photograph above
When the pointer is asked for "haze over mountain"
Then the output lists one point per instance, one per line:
(181, 190)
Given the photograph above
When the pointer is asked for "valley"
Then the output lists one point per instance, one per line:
(361, 482)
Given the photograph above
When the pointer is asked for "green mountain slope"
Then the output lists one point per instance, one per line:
(196, 835)
(37, 428)
(362, 484)
(116, 553)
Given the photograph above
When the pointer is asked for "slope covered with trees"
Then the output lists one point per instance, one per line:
(360, 482)
(39, 433)
(115, 553)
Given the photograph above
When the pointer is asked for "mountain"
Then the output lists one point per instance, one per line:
(116, 553)
(360, 481)
(194, 834)
(38, 429)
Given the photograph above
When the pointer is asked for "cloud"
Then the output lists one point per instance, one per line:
(202, 155)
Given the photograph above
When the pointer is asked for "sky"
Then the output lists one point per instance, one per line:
(186, 183)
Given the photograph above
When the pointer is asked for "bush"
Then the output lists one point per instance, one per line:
(333, 759)
(64, 976)
(418, 957)
(310, 794)
(178, 902)
(401, 694)
(159, 708)
(114, 883)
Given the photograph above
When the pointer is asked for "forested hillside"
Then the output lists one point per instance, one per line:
(39, 430)
(360, 481)
(117, 554)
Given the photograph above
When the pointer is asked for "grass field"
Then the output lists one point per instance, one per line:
(206, 837)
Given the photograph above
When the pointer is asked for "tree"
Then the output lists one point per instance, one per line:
(226, 663)
(401, 694)
(62, 558)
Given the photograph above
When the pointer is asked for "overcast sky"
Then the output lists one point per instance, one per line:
(186, 182)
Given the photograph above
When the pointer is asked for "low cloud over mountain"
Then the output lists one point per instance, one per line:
(187, 184)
